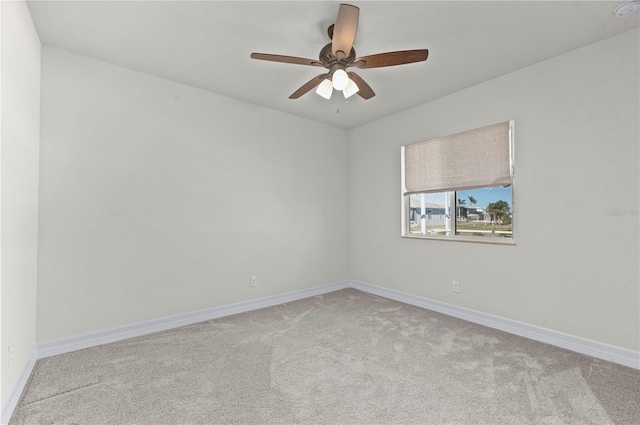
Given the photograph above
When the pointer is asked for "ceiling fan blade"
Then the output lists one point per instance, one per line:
(285, 59)
(391, 59)
(365, 91)
(344, 31)
(311, 84)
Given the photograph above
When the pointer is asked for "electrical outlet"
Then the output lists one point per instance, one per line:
(455, 287)
(254, 281)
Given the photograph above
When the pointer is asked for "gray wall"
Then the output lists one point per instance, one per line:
(576, 145)
(158, 198)
(19, 188)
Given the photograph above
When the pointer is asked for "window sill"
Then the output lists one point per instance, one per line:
(487, 240)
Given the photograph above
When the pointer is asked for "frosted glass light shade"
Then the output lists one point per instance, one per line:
(351, 89)
(325, 89)
(340, 79)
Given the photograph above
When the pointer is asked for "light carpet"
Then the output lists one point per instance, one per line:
(341, 358)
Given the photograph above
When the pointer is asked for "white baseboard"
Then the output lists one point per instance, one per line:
(92, 339)
(591, 348)
(11, 401)
(595, 349)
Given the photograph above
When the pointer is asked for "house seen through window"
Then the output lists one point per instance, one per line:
(483, 212)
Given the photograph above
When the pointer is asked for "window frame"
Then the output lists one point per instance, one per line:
(451, 215)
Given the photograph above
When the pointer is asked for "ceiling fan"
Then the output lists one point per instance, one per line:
(339, 55)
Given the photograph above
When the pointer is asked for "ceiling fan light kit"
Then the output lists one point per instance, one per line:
(339, 55)
(325, 88)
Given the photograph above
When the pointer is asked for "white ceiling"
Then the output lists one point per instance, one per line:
(207, 44)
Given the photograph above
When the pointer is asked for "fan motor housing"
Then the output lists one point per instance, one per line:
(326, 56)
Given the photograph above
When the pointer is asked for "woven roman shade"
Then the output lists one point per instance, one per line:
(469, 160)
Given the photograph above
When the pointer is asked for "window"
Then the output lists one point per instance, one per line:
(460, 187)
